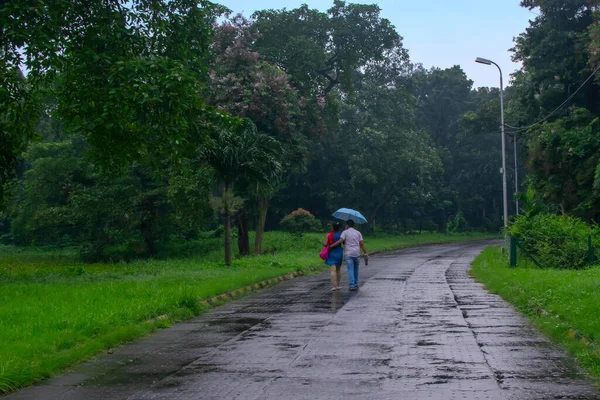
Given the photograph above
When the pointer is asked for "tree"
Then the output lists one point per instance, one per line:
(327, 57)
(40, 203)
(554, 53)
(125, 68)
(240, 154)
(323, 50)
(326, 54)
(476, 160)
(64, 200)
(18, 109)
(263, 192)
(376, 161)
(246, 86)
(442, 97)
(563, 164)
(385, 152)
(558, 52)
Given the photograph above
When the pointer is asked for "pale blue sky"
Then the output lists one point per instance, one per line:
(440, 33)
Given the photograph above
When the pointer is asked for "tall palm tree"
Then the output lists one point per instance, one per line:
(238, 154)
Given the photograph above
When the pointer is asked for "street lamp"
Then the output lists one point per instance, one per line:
(516, 176)
(504, 191)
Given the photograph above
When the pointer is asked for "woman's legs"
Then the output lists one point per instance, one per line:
(338, 276)
(335, 277)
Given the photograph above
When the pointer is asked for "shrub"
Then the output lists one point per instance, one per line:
(299, 221)
(430, 226)
(492, 224)
(555, 241)
(457, 224)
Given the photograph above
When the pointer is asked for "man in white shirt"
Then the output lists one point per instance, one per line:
(353, 244)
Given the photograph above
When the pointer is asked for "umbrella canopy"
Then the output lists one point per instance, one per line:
(347, 213)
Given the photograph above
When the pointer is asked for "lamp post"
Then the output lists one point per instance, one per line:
(516, 176)
(504, 191)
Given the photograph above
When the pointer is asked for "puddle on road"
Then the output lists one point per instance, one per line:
(112, 379)
(401, 279)
(198, 368)
(427, 343)
(378, 347)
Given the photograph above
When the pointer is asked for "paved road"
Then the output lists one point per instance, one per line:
(418, 328)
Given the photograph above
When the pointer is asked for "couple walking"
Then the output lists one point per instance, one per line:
(353, 244)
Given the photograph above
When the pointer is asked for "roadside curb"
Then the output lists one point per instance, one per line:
(222, 298)
(217, 300)
(573, 334)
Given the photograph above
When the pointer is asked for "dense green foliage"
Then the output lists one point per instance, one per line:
(63, 200)
(119, 70)
(559, 53)
(562, 303)
(555, 241)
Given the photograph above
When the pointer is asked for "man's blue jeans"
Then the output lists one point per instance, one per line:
(353, 263)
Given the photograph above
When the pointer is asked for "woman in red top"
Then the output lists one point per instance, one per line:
(335, 257)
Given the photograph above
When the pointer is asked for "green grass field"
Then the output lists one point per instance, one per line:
(564, 304)
(56, 311)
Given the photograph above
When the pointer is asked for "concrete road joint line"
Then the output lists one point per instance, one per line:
(487, 361)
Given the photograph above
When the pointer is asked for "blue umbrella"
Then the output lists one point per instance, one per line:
(347, 213)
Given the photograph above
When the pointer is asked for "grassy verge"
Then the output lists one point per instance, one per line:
(564, 304)
(56, 311)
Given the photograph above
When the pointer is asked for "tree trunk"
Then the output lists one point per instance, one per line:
(150, 244)
(243, 239)
(227, 237)
(227, 213)
(263, 205)
(384, 199)
(147, 225)
(443, 222)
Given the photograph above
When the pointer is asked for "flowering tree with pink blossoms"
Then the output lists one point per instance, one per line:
(246, 86)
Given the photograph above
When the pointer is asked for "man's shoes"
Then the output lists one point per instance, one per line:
(352, 288)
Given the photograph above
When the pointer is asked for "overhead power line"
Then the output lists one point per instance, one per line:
(564, 103)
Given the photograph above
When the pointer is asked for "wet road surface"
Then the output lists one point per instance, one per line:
(418, 328)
